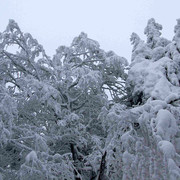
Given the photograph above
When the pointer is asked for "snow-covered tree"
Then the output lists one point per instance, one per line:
(80, 116)
(49, 108)
(143, 139)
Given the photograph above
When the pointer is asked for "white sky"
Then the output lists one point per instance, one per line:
(110, 22)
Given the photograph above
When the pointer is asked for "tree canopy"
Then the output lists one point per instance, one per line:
(85, 114)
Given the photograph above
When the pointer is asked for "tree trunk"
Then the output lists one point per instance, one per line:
(102, 167)
(75, 158)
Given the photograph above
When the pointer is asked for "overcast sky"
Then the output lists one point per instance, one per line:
(110, 22)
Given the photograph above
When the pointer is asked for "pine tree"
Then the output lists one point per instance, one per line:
(143, 139)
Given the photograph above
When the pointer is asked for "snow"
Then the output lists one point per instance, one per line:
(127, 157)
(31, 157)
(127, 139)
(177, 144)
(161, 103)
(61, 123)
(147, 107)
(149, 77)
(166, 124)
(57, 158)
(174, 170)
(167, 148)
(158, 53)
(172, 97)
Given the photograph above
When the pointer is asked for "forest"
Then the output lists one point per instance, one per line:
(87, 114)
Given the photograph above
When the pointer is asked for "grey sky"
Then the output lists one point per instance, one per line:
(110, 22)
